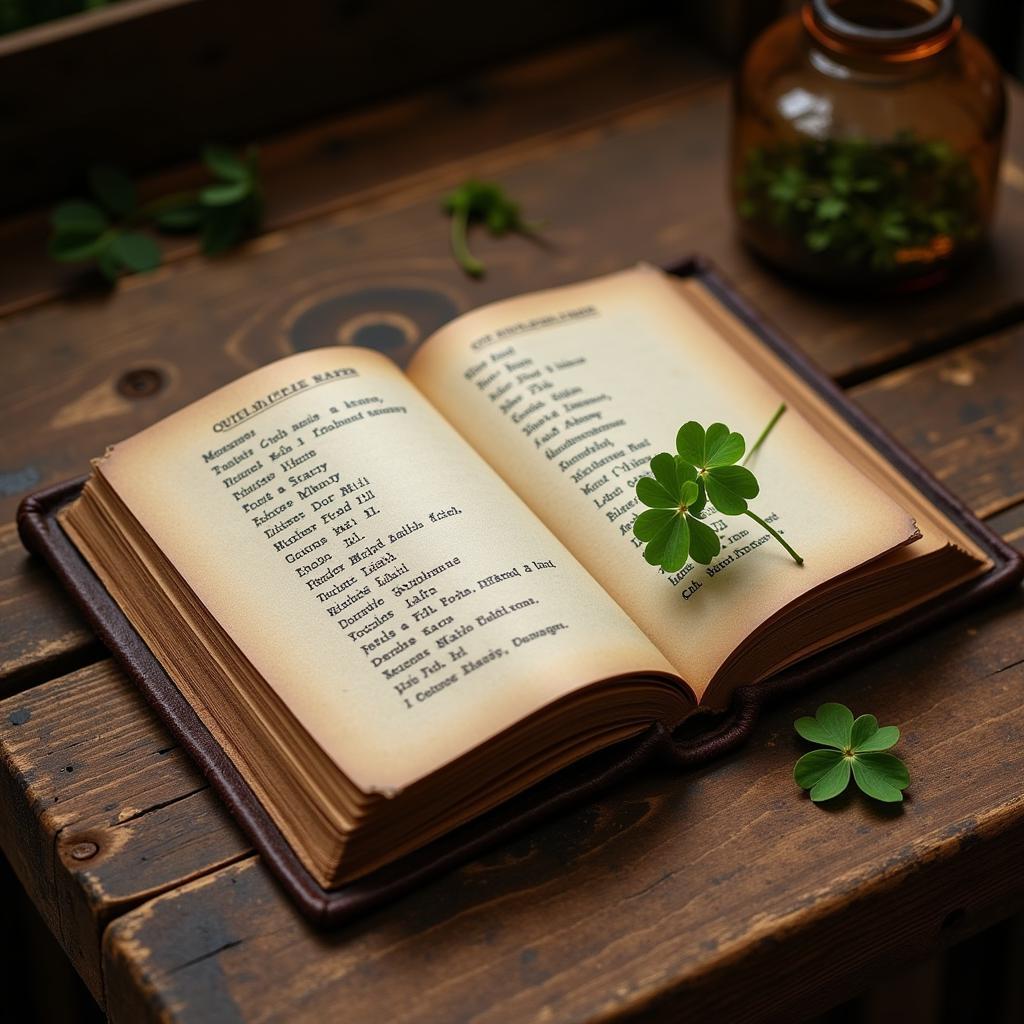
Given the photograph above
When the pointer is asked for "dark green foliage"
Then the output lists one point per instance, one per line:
(105, 230)
(863, 205)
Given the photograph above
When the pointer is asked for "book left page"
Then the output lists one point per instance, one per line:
(400, 599)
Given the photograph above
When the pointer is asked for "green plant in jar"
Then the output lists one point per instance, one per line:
(866, 142)
(862, 204)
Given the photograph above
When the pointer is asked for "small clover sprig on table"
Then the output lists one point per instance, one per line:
(703, 469)
(488, 203)
(106, 229)
(849, 746)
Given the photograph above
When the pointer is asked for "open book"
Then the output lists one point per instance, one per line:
(397, 599)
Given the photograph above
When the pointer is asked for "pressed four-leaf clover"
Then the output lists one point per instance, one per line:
(670, 526)
(703, 469)
(849, 746)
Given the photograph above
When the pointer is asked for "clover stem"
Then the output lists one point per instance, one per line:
(757, 519)
(764, 433)
(460, 245)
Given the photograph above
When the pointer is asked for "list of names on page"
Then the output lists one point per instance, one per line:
(421, 615)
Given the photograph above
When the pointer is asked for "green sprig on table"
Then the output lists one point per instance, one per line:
(487, 203)
(703, 469)
(849, 746)
(108, 230)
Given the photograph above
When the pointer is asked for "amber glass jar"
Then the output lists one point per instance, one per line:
(866, 142)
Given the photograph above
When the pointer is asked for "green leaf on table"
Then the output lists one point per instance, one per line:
(70, 246)
(225, 211)
(187, 217)
(135, 251)
(225, 164)
(849, 746)
(79, 216)
(231, 207)
(832, 726)
(223, 228)
(108, 264)
(882, 739)
(481, 202)
(826, 773)
(225, 194)
(882, 776)
(114, 189)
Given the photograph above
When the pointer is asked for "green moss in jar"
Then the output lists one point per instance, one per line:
(861, 205)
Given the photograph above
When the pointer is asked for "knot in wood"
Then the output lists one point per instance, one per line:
(140, 383)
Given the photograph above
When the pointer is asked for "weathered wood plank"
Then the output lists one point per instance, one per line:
(1010, 525)
(676, 897)
(43, 636)
(194, 328)
(962, 413)
(372, 152)
(98, 807)
(86, 897)
(188, 72)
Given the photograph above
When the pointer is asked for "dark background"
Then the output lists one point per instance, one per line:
(145, 83)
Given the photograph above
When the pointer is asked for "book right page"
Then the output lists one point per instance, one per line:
(568, 393)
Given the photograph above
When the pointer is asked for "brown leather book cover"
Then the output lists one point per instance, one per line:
(42, 534)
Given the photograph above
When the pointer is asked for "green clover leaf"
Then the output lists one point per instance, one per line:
(713, 454)
(851, 746)
(718, 446)
(670, 527)
(135, 251)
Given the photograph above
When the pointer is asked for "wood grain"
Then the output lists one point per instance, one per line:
(195, 329)
(676, 897)
(963, 414)
(99, 807)
(43, 635)
(187, 72)
(1010, 525)
(714, 890)
(372, 152)
(80, 899)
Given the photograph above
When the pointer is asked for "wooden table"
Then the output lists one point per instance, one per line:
(719, 890)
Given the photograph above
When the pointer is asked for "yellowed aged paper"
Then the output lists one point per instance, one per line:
(569, 392)
(399, 598)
